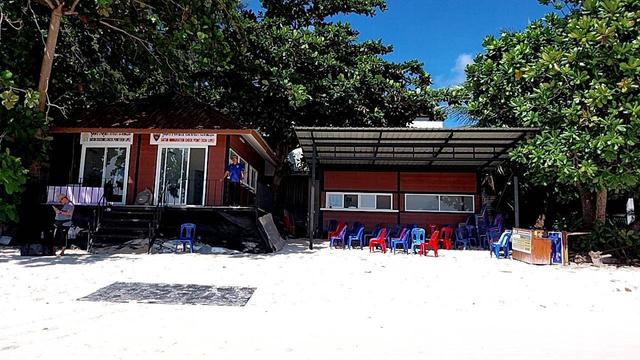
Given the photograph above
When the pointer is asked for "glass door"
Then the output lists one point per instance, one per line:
(106, 167)
(181, 176)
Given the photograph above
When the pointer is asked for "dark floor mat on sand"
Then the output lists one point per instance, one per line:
(174, 294)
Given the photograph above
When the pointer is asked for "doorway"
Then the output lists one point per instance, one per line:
(181, 173)
(106, 167)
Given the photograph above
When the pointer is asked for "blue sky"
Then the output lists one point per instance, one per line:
(442, 34)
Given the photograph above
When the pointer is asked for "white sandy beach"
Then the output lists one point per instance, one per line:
(322, 304)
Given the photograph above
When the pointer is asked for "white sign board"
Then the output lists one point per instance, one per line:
(106, 139)
(184, 139)
(521, 241)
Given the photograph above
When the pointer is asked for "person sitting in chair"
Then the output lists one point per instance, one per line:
(62, 223)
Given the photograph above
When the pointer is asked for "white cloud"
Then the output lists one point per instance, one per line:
(458, 75)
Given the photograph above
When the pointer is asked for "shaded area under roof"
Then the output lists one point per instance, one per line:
(475, 148)
(167, 111)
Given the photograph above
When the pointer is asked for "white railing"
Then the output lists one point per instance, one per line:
(78, 194)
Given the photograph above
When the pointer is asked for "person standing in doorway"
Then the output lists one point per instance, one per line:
(62, 223)
(234, 174)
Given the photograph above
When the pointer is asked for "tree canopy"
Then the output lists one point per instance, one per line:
(289, 64)
(577, 78)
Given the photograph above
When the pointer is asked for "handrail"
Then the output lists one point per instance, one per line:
(155, 222)
(96, 222)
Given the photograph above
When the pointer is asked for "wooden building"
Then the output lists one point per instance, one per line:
(171, 145)
(141, 169)
(400, 175)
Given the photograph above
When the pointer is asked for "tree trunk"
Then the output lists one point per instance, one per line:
(601, 205)
(588, 207)
(47, 57)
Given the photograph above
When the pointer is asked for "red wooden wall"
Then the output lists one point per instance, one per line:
(369, 219)
(145, 168)
(216, 164)
(361, 181)
(387, 182)
(242, 148)
(438, 182)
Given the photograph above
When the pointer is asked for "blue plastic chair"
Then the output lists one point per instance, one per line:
(373, 234)
(418, 236)
(470, 230)
(340, 237)
(187, 236)
(402, 240)
(501, 244)
(462, 238)
(394, 234)
(358, 236)
(494, 230)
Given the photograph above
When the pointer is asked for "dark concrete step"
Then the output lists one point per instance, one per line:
(136, 214)
(123, 230)
(125, 220)
(117, 238)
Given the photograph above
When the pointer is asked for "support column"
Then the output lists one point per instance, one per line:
(516, 205)
(312, 198)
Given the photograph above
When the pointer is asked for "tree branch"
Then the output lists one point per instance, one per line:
(35, 20)
(73, 6)
(48, 3)
(144, 43)
(16, 25)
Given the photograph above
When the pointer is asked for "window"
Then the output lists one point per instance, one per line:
(422, 203)
(439, 203)
(250, 173)
(351, 201)
(383, 202)
(106, 167)
(367, 201)
(334, 201)
(359, 201)
(456, 203)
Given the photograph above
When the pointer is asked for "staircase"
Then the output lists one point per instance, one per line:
(120, 224)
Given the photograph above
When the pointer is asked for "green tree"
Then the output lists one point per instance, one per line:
(19, 122)
(577, 77)
(294, 66)
(288, 65)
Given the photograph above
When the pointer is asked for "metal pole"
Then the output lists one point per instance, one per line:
(516, 191)
(312, 198)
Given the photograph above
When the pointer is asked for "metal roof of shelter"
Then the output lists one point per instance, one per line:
(459, 147)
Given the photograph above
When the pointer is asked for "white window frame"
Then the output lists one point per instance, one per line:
(358, 209)
(105, 146)
(248, 171)
(158, 185)
(472, 211)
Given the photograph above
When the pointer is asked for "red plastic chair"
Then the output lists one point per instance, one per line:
(380, 240)
(431, 228)
(446, 233)
(337, 231)
(432, 244)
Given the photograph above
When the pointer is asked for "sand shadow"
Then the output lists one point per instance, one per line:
(68, 259)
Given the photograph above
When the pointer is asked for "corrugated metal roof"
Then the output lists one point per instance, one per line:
(459, 147)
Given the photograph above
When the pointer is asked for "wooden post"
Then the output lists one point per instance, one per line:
(47, 57)
(565, 248)
(516, 195)
(312, 197)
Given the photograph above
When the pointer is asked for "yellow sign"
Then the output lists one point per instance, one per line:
(521, 241)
